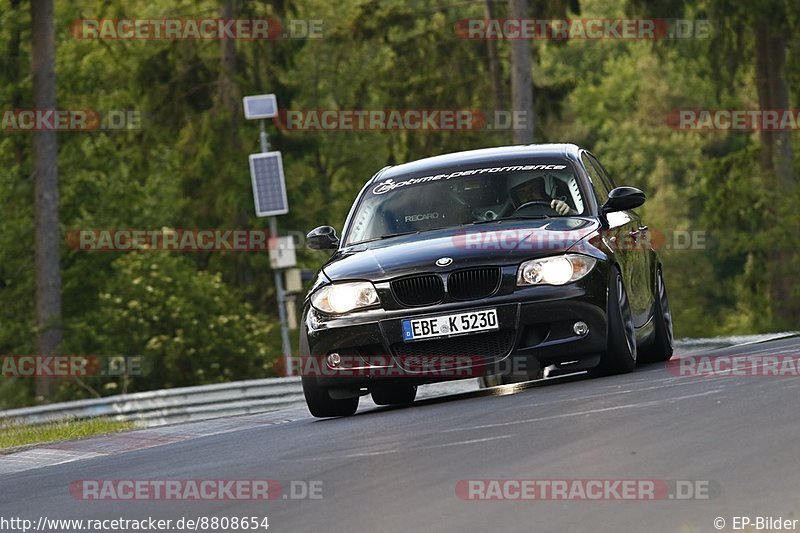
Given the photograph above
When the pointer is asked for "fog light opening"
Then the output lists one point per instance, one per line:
(580, 328)
(334, 359)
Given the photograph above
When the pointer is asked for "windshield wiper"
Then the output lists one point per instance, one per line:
(517, 217)
(387, 236)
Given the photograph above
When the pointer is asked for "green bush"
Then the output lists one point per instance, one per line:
(189, 327)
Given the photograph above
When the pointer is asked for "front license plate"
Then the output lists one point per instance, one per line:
(449, 325)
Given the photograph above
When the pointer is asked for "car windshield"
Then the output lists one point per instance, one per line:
(479, 193)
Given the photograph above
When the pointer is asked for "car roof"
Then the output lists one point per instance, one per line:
(493, 155)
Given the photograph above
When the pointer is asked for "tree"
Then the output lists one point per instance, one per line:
(45, 169)
(521, 77)
(494, 62)
(776, 150)
(753, 38)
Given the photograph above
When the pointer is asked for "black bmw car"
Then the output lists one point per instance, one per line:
(502, 260)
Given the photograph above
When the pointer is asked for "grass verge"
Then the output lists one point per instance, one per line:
(13, 435)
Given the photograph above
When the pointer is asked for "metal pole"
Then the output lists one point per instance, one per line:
(280, 294)
(263, 137)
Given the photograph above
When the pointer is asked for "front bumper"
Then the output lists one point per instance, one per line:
(535, 325)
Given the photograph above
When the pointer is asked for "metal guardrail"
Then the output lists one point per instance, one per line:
(169, 406)
(693, 345)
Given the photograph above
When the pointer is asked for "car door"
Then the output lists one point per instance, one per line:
(617, 222)
(632, 236)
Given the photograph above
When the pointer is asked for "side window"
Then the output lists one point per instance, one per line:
(599, 186)
(607, 181)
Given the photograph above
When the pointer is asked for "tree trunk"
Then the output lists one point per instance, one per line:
(13, 75)
(45, 169)
(521, 78)
(228, 90)
(776, 160)
(494, 62)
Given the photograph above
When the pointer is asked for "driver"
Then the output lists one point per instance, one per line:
(533, 190)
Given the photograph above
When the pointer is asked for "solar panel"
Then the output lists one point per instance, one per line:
(269, 186)
(261, 106)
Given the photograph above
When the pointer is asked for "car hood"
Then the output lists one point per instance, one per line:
(500, 243)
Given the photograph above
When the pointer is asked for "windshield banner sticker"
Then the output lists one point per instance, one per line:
(390, 184)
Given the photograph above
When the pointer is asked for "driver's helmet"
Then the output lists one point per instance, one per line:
(524, 189)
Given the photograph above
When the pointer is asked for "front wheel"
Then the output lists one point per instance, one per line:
(320, 403)
(620, 355)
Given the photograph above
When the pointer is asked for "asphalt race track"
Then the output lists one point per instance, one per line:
(397, 469)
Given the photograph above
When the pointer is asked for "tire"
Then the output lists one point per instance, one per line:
(320, 403)
(620, 354)
(661, 348)
(394, 394)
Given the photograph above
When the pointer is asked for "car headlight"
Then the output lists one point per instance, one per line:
(341, 298)
(557, 270)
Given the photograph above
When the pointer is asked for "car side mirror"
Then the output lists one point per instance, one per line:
(322, 238)
(623, 198)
